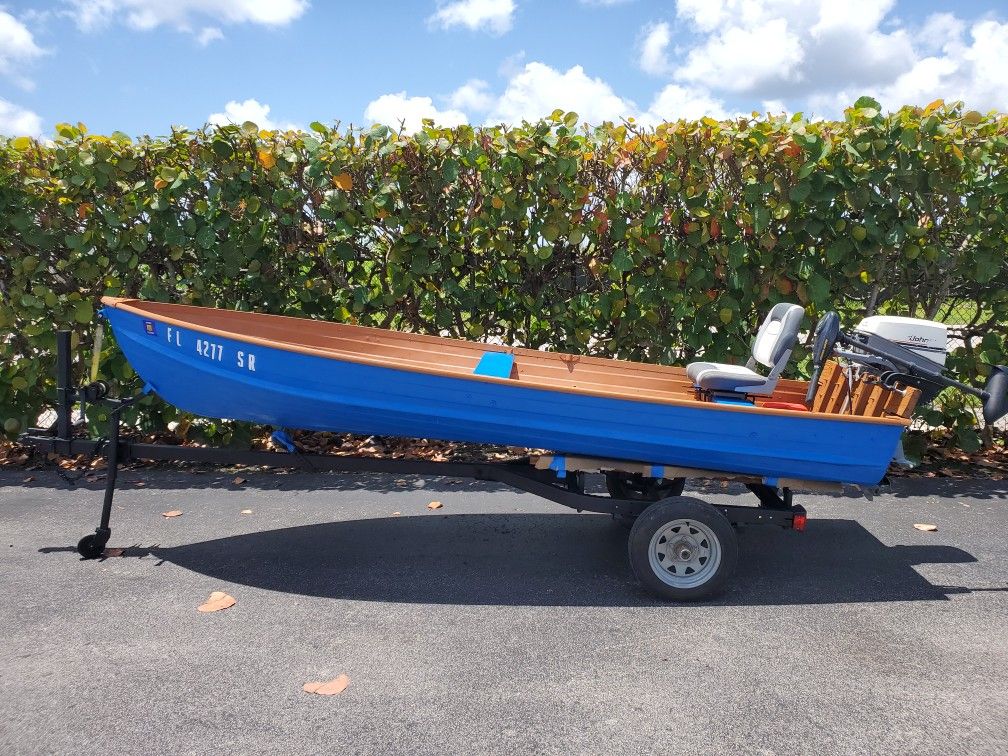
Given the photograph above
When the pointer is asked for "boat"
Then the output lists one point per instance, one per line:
(307, 374)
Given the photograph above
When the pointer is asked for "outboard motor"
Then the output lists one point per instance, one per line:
(924, 342)
(903, 351)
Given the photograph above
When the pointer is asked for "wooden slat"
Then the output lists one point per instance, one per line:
(862, 390)
(877, 397)
(832, 389)
(908, 402)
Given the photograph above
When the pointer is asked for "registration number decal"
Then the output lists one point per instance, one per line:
(212, 350)
(209, 349)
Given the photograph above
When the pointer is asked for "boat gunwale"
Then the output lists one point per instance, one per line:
(134, 306)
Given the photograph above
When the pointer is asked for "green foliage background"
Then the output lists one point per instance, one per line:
(650, 244)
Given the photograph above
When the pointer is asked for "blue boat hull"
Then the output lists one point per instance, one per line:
(221, 377)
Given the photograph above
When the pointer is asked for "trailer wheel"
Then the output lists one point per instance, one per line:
(682, 549)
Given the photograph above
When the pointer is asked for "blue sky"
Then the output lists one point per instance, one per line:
(140, 66)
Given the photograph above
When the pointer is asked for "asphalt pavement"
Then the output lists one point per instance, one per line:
(499, 623)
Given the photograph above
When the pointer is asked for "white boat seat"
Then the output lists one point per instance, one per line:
(695, 368)
(772, 348)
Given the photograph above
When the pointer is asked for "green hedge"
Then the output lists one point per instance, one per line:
(651, 244)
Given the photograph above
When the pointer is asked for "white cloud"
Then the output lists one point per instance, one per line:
(675, 102)
(17, 47)
(973, 70)
(17, 121)
(184, 15)
(939, 31)
(775, 107)
(654, 49)
(772, 49)
(209, 34)
(248, 110)
(743, 59)
(512, 64)
(538, 90)
(495, 16)
(393, 109)
(707, 15)
(473, 95)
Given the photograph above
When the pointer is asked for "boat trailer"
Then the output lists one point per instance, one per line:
(680, 547)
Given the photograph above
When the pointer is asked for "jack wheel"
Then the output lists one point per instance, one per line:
(91, 546)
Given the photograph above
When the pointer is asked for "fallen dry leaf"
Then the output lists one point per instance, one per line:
(29, 479)
(239, 481)
(400, 482)
(218, 600)
(172, 513)
(396, 514)
(330, 688)
(246, 511)
(113, 552)
(434, 505)
(926, 526)
(139, 483)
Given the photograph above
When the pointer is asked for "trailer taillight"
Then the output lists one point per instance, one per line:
(798, 523)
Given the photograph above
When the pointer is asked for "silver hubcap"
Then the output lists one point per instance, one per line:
(684, 553)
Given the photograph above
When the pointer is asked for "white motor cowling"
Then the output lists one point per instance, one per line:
(924, 337)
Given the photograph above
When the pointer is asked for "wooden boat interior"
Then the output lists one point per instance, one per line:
(551, 370)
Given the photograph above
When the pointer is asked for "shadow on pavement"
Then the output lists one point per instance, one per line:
(550, 560)
(949, 488)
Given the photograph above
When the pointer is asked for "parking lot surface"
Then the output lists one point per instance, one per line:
(498, 623)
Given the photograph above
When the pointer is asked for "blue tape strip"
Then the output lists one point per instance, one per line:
(657, 471)
(771, 482)
(148, 389)
(731, 400)
(559, 465)
(282, 438)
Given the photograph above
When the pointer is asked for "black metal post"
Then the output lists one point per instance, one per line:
(64, 387)
(112, 469)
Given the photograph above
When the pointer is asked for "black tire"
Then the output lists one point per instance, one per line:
(636, 487)
(91, 546)
(640, 488)
(704, 531)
